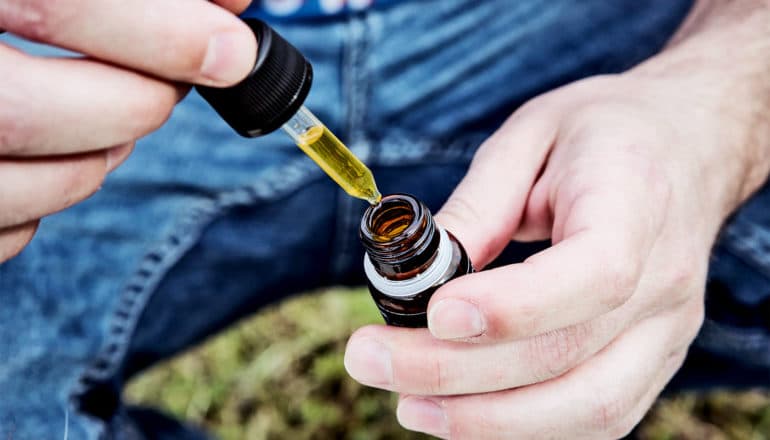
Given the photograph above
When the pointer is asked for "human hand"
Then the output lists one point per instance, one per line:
(631, 177)
(66, 122)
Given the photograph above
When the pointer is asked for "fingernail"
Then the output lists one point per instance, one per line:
(109, 159)
(423, 415)
(455, 319)
(116, 156)
(225, 59)
(369, 362)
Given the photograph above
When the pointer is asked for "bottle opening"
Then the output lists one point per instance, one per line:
(396, 218)
(399, 235)
(390, 218)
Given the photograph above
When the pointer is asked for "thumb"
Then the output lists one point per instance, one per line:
(486, 208)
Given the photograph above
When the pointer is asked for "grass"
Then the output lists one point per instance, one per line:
(279, 375)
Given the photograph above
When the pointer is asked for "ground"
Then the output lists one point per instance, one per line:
(279, 375)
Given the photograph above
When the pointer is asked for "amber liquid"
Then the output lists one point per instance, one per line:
(391, 222)
(339, 163)
(401, 240)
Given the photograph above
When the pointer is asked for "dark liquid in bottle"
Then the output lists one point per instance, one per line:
(402, 242)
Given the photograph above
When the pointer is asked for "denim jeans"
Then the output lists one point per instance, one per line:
(201, 227)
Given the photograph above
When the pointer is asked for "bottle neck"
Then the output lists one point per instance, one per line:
(400, 237)
(439, 270)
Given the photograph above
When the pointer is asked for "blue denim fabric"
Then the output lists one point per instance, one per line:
(200, 227)
(282, 9)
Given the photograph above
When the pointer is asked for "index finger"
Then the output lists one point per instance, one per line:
(593, 270)
(191, 41)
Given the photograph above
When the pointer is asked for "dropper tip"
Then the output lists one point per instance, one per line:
(374, 198)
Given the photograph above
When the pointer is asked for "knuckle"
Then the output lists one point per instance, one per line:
(558, 351)
(687, 271)
(442, 381)
(14, 135)
(681, 278)
(16, 127)
(530, 321)
(37, 19)
(19, 127)
(607, 413)
(477, 425)
(622, 277)
(434, 381)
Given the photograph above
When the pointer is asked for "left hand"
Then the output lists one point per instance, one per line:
(631, 176)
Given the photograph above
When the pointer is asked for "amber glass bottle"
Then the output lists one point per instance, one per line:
(407, 258)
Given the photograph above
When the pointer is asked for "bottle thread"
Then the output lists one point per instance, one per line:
(407, 258)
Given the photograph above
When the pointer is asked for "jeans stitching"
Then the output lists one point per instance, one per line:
(356, 89)
(357, 74)
(404, 150)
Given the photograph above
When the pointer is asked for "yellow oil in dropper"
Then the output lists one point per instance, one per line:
(318, 142)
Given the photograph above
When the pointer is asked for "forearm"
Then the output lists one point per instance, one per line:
(722, 53)
(718, 16)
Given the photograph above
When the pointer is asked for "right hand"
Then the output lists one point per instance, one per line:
(66, 122)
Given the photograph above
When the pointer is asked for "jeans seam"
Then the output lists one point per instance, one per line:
(138, 290)
(405, 150)
(356, 76)
(356, 88)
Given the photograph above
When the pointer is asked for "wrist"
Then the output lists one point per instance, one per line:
(718, 66)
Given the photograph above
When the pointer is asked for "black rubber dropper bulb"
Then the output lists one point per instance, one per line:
(272, 97)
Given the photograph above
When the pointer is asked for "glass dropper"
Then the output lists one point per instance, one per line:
(272, 96)
(326, 150)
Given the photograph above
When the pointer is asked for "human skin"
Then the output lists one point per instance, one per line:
(66, 123)
(631, 176)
